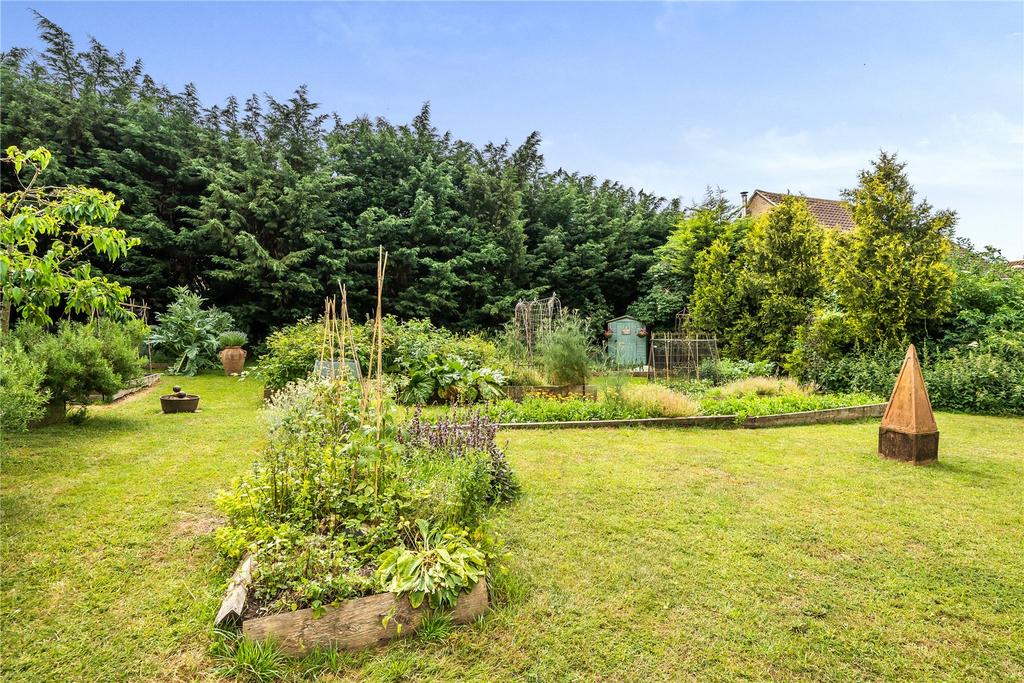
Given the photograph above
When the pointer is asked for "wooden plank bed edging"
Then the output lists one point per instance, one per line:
(827, 415)
(356, 623)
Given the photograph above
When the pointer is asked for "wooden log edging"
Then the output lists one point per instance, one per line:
(349, 625)
(229, 616)
(357, 623)
(827, 415)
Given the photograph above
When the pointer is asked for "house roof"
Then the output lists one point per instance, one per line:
(1017, 264)
(830, 213)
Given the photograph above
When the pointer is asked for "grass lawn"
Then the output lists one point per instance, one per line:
(792, 553)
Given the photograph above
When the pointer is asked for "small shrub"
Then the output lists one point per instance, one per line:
(291, 353)
(121, 341)
(523, 375)
(22, 394)
(231, 338)
(75, 361)
(728, 370)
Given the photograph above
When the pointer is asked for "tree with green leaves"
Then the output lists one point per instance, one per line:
(46, 233)
(779, 281)
(715, 300)
(670, 280)
(890, 275)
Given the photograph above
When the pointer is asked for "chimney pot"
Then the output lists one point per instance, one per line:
(743, 201)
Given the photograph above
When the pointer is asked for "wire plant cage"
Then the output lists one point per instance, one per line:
(534, 318)
(682, 352)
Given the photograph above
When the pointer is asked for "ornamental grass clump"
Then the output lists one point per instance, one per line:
(343, 491)
(661, 399)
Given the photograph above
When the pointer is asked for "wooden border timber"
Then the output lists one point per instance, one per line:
(826, 416)
(350, 625)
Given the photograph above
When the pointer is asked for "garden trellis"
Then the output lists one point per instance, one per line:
(681, 353)
(534, 318)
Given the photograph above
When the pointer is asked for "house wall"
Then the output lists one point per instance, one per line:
(758, 205)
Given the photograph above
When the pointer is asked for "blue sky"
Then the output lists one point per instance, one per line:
(667, 97)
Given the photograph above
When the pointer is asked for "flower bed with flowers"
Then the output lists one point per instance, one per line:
(345, 501)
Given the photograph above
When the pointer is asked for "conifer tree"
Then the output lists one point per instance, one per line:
(890, 275)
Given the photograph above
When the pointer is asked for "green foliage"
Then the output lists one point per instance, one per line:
(121, 341)
(80, 359)
(978, 379)
(442, 565)
(340, 483)
(564, 351)
(48, 234)
(754, 404)
(715, 301)
(987, 299)
(779, 281)
(427, 363)
(976, 362)
(890, 275)
(562, 409)
(435, 626)
(252, 661)
(671, 279)
(189, 332)
(231, 338)
(729, 370)
(262, 203)
(291, 353)
(22, 394)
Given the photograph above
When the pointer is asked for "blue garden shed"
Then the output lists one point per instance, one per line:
(627, 342)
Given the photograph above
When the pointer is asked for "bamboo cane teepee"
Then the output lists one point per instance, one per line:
(908, 431)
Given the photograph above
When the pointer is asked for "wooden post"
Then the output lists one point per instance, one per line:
(908, 431)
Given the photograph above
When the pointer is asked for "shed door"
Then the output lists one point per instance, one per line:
(628, 346)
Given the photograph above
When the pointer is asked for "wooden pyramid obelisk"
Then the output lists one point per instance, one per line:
(908, 431)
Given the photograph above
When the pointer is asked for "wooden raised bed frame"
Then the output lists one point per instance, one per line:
(350, 625)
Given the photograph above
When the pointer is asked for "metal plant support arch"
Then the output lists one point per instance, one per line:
(534, 318)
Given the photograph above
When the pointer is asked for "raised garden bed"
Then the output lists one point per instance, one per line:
(351, 625)
(137, 385)
(828, 415)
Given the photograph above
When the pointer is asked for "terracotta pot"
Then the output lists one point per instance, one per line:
(233, 360)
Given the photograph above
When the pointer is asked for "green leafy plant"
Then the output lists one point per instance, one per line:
(442, 565)
(753, 404)
(22, 394)
(47, 234)
(76, 361)
(435, 626)
(255, 661)
(231, 338)
(189, 332)
(564, 351)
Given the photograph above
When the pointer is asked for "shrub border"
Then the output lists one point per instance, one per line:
(808, 417)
